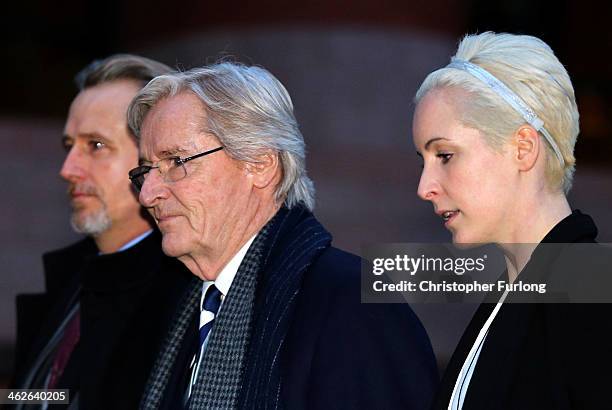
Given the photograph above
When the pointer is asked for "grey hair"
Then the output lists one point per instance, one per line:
(528, 67)
(92, 224)
(248, 110)
(119, 67)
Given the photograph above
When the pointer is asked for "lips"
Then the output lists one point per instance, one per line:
(82, 190)
(165, 218)
(78, 195)
(84, 198)
(162, 217)
(448, 215)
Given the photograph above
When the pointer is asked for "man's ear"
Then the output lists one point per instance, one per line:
(528, 146)
(264, 171)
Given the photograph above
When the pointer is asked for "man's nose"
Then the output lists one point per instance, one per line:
(74, 167)
(153, 189)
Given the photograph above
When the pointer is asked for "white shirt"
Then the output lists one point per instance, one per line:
(227, 274)
(223, 283)
(465, 375)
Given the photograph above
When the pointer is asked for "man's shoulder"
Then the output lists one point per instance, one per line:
(337, 262)
(76, 250)
(334, 271)
(61, 265)
(335, 277)
(330, 307)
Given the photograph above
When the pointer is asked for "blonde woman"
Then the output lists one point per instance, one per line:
(496, 129)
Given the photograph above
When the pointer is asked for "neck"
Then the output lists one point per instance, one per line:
(119, 234)
(208, 264)
(534, 221)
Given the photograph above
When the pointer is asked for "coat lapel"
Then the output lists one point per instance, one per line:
(458, 358)
(497, 366)
(39, 315)
(295, 239)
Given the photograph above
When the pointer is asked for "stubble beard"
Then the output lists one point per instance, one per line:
(93, 222)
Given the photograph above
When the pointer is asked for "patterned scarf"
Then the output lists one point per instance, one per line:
(219, 379)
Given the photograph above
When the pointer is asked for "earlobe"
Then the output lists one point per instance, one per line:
(527, 147)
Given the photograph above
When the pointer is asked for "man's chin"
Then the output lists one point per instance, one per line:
(168, 247)
(90, 223)
(172, 247)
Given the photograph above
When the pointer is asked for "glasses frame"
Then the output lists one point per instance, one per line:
(145, 169)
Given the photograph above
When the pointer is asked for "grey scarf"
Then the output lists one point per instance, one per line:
(219, 378)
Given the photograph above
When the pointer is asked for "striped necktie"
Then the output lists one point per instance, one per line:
(210, 307)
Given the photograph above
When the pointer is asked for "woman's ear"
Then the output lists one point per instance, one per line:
(264, 171)
(527, 142)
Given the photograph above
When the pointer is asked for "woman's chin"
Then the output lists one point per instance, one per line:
(464, 241)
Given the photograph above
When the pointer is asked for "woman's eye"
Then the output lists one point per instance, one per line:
(445, 157)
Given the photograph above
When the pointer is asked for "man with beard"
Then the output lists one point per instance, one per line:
(97, 328)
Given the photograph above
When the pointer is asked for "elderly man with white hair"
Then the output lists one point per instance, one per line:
(273, 318)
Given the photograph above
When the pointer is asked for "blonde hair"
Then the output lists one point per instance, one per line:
(527, 66)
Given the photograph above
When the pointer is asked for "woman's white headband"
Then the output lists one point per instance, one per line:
(510, 97)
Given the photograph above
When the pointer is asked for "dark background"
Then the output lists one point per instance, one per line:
(352, 68)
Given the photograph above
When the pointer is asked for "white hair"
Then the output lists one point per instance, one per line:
(527, 66)
(248, 110)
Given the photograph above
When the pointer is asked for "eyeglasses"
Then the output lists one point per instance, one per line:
(171, 169)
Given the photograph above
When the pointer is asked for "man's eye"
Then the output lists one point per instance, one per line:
(67, 144)
(176, 162)
(96, 145)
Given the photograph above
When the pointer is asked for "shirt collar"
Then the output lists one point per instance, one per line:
(131, 243)
(228, 273)
(135, 241)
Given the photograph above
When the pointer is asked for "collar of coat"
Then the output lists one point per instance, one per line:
(295, 239)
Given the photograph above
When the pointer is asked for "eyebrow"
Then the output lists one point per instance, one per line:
(88, 136)
(172, 152)
(428, 143)
(167, 153)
